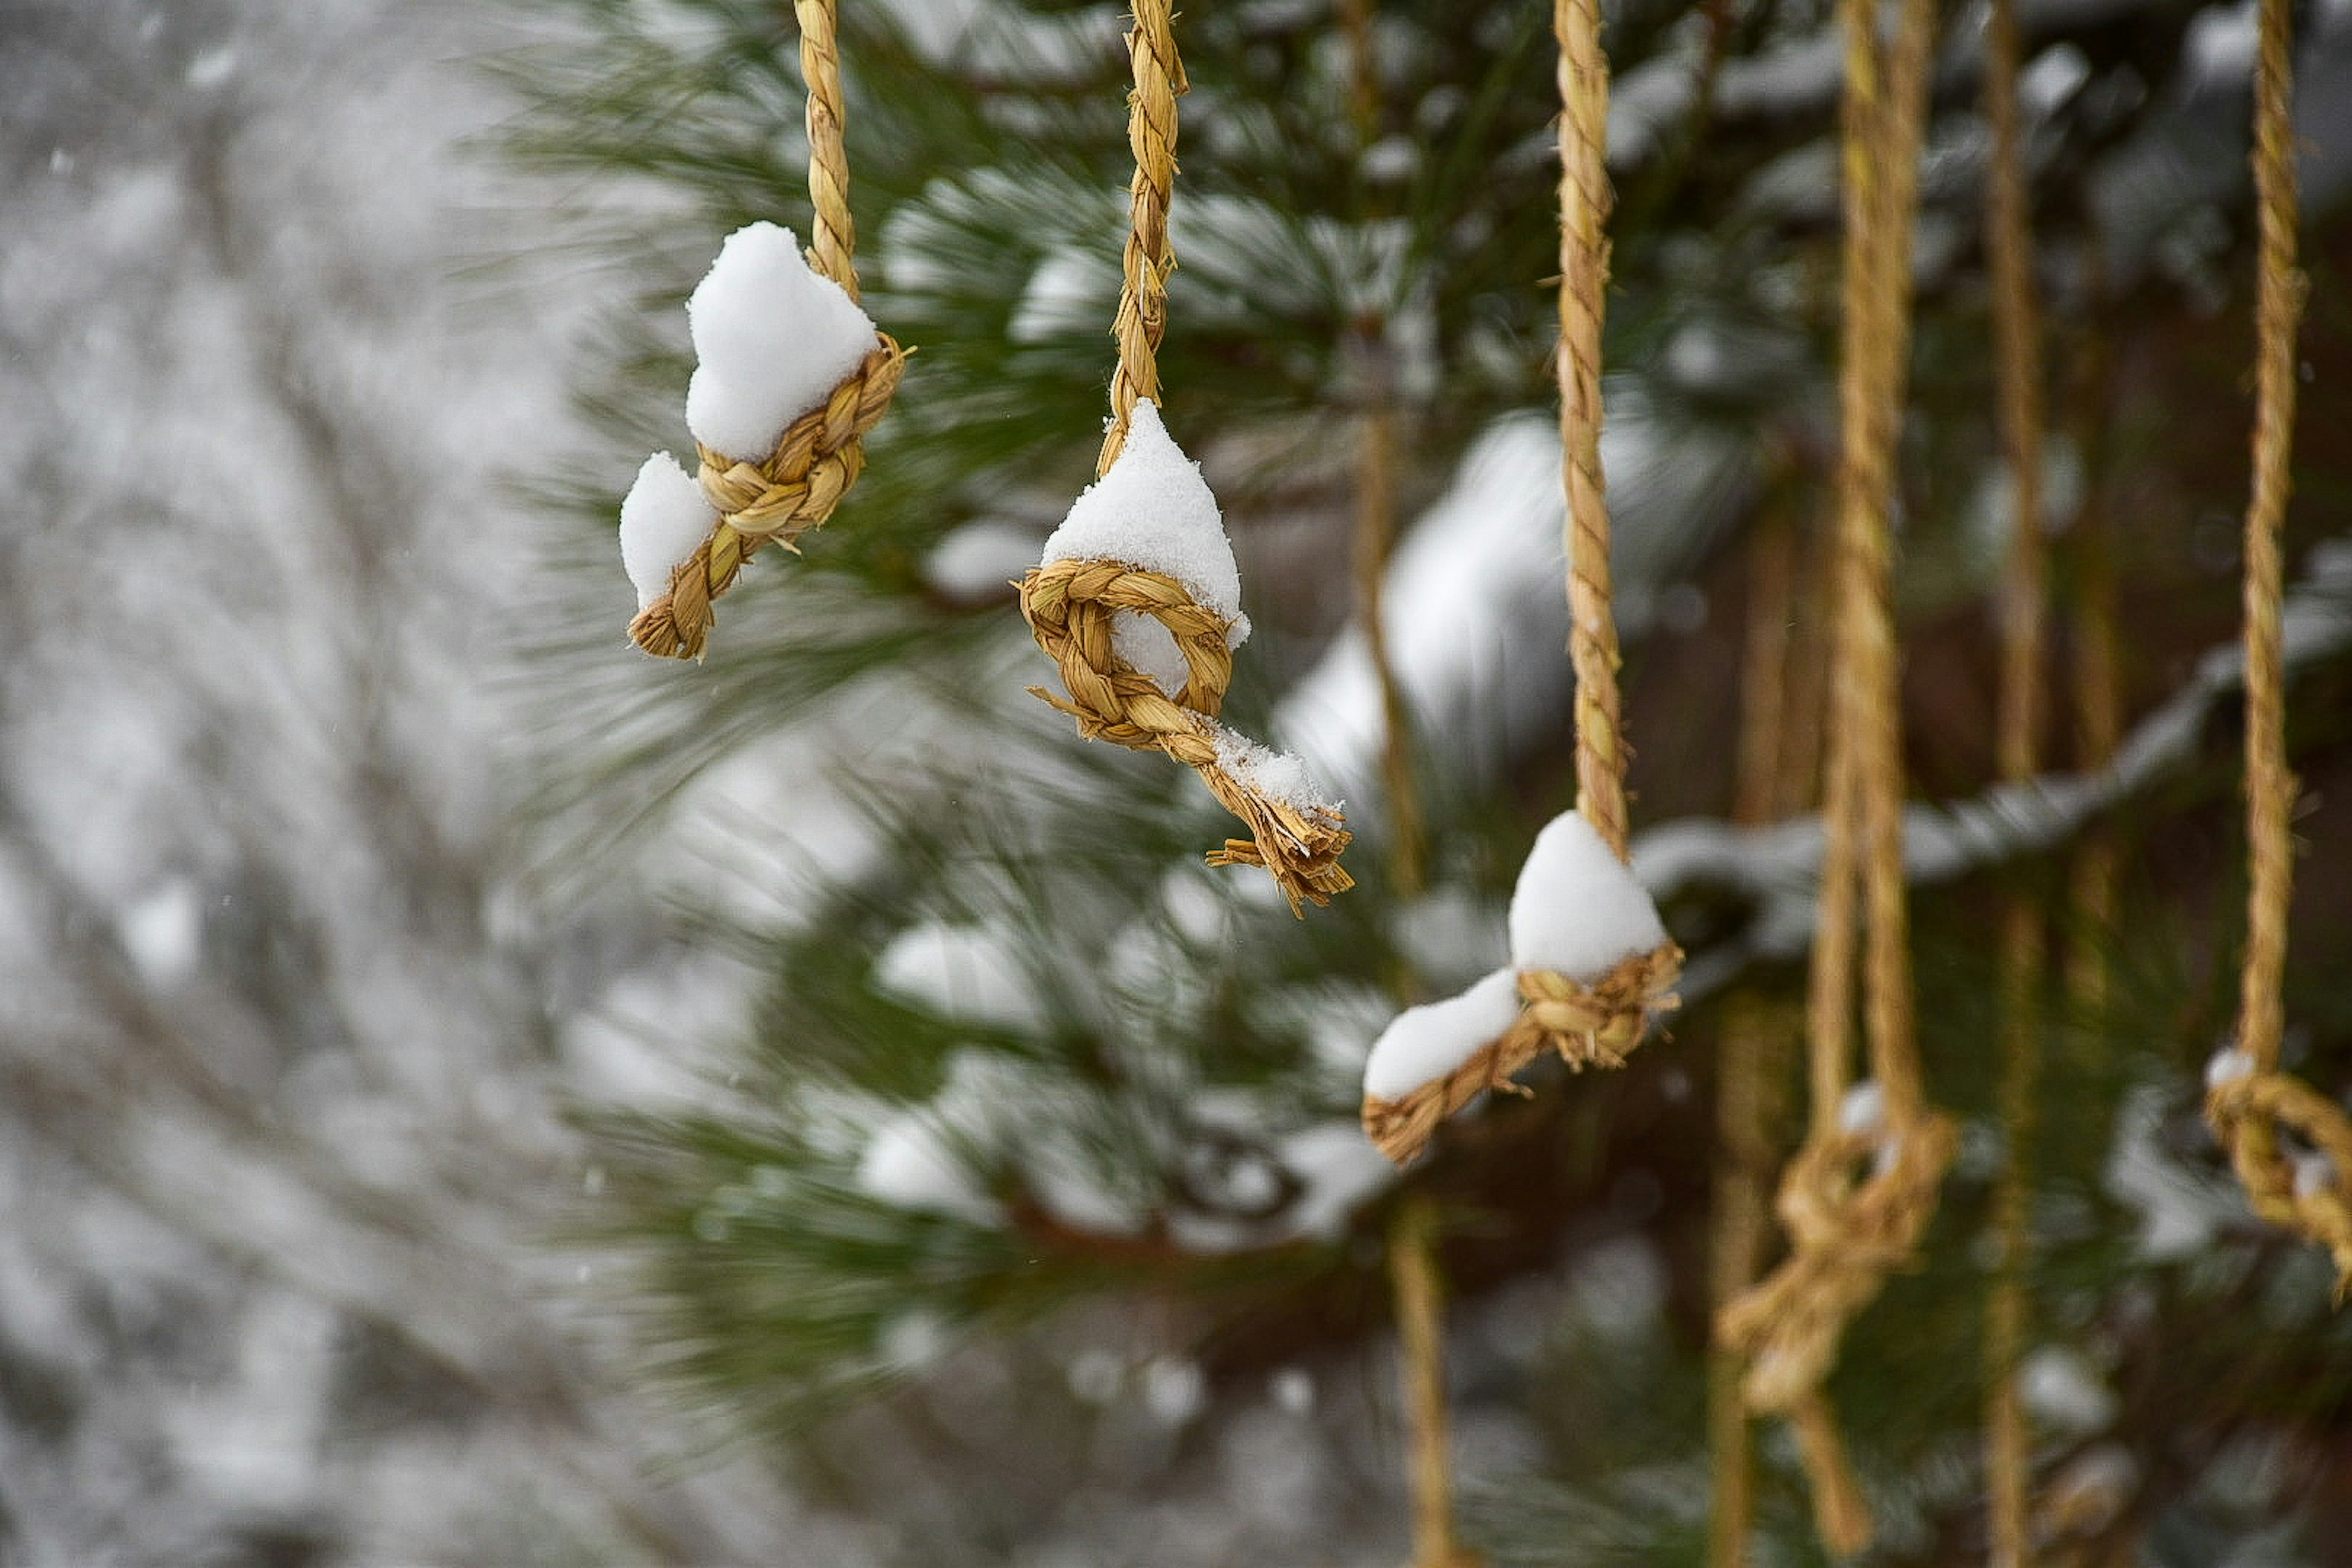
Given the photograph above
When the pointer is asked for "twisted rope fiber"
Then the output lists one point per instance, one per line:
(1147, 258)
(2009, 1438)
(795, 488)
(1421, 1341)
(1771, 781)
(1584, 203)
(2247, 1112)
(1070, 604)
(1070, 607)
(1595, 1025)
(1847, 1234)
(1592, 1025)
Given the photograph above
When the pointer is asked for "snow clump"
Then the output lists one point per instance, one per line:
(1153, 510)
(1577, 910)
(1423, 1044)
(664, 519)
(1277, 775)
(771, 340)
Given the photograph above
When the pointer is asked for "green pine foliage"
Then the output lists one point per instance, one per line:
(1144, 1083)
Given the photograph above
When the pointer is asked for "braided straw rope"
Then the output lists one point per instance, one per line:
(1070, 607)
(1584, 1025)
(1147, 258)
(2009, 1437)
(1773, 779)
(795, 487)
(1590, 1025)
(2247, 1112)
(1071, 604)
(1846, 1235)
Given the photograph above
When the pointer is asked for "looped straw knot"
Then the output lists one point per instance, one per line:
(776, 500)
(1586, 1025)
(1846, 1237)
(1071, 606)
(1596, 1025)
(2247, 1113)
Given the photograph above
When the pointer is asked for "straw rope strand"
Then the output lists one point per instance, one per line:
(2248, 1108)
(2009, 1438)
(834, 239)
(1147, 258)
(794, 488)
(1584, 201)
(1848, 1233)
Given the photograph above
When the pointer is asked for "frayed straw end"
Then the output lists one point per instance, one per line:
(1839, 1513)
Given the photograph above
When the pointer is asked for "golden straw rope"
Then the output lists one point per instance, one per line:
(1415, 1280)
(797, 485)
(1596, 1025)
(1071, 605)
(1847, 1234)
(2009, 1437)
(1421, 1338)
(1147, 259)
(1584, 200)
(2247, 1111)
(2097, 695)
(1756, 1033)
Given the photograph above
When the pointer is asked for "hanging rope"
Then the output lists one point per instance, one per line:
(2097, 694)
(1147, 259)
(2009, 1438)
(1584, 1025)
(1071, 606)
(1584, 201)
(1771, 781)
(1846, 1232)
(1420, 1339)
(2249, 1109)
(775, 499)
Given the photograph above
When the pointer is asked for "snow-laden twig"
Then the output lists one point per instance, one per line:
(1778, 866)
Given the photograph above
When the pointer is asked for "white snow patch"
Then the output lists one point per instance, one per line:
(1577, 910)
(1862, 1112)
(909, 1162)
(664, 518)
(2219, 50)
(162, 932)
(2315, 1174)
(1338, 1172)
(967, 973)
(1174, 1391)
(981, 559)
(1294, 1391)
(771, 340)
(1276, 775)
(2064, 1391)
(2227, 1065)
(1426, 1042)
(1155, 511)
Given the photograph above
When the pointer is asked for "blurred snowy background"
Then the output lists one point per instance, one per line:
(283, 1044)
(294, 1012)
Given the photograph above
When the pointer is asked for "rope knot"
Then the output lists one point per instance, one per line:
(1072, 607)
(1587, 1026)
(1596, 1025)
(1846, 1235)
(2308, 1195)
(793, 489)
